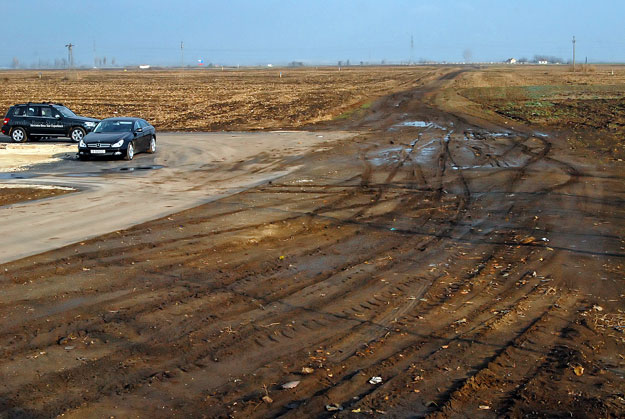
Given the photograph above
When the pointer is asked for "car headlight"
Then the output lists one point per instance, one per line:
(118, 144)
(90, 124)
(82, 144)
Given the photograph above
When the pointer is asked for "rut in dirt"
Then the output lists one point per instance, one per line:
(432, 255)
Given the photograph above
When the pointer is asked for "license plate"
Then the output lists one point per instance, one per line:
(98, 151)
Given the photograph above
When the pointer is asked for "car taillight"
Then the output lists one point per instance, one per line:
(6, 121)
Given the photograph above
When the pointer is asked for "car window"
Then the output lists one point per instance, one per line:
(32, 111)
(137, 126)
(114, 126)
(20, 111)
(65, 111)
(46, 111)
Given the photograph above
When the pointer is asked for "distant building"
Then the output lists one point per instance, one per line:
(543, 62)
(511, 61)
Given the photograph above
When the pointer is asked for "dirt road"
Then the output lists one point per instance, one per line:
(188, 170)
(476, 269)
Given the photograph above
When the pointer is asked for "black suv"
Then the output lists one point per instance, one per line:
(36, 120)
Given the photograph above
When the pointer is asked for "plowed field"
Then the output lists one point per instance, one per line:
(205, 100)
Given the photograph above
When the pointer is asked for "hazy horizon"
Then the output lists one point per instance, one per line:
(244, 32)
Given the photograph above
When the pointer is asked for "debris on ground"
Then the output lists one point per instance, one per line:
(334, 407)
(290, 384)
(579, 370)
(375, 380)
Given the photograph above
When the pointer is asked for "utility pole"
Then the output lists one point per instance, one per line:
(95, 64)
(181, 54)
(411, 49)
(70, 55)
(573, 54)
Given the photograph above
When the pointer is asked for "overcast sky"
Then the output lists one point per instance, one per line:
(313, 31)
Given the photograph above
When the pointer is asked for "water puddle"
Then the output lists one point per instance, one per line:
(469, 167)
(418, 152)
(426, 154)
(418, 124)
(389, 155)
(90, 174)
(137, 168)
(125, 169)
(29, 175)
(17, 175)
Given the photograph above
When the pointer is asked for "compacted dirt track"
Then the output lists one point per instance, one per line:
(476, 270)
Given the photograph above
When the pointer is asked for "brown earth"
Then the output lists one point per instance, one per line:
(587, 106)
(472, 264)
(208, 100)
(13, 195)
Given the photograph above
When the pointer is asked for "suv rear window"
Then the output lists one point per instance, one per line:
(19, 111)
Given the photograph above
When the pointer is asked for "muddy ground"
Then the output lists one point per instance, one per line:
(472, 262)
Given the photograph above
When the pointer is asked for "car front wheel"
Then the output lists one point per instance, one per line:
(152, 148)
(19, 135)
(76, 134)
(130, 152)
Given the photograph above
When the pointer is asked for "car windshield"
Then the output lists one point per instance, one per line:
(114, 126)
(65, 111)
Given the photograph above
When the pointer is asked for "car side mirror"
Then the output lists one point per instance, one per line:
(57, 116)
(139, 130)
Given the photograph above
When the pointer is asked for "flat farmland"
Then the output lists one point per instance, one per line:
(208, 100)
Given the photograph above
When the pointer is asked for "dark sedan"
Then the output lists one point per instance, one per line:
(118, 137)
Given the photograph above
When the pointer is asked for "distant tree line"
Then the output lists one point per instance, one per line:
(539, 58)
(58, 63)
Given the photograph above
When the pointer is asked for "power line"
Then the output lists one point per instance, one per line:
(573, 53)
(181, 54)
(70, 55)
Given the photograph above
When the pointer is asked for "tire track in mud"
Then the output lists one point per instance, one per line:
(320, 324)
(184, 261)
(411, 345)
(92, 367)
(354, 374)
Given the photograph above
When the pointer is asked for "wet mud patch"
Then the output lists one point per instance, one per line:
(138, 168)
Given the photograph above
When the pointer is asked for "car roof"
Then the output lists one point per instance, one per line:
(120, 118)
(38, 103)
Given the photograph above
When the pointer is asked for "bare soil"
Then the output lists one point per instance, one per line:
(587, 105)
(209, 100)
(473, 264)
(13, 195)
